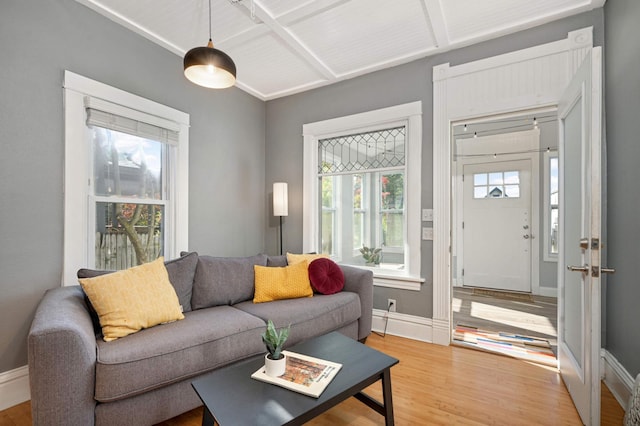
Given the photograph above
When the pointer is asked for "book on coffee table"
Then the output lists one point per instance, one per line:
(304, 374)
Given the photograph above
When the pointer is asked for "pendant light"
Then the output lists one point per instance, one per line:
(209, 67)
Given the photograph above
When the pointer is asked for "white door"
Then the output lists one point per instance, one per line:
(496, 225)
(579, 115)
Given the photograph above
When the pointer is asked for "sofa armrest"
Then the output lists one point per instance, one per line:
(62, 358)
(360, 281)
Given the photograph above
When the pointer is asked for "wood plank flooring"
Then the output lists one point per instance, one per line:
(442, 385)
(537, 318)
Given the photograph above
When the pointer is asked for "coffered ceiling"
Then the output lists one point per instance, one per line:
(282, 47)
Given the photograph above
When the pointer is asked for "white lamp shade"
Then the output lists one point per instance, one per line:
(280, 199)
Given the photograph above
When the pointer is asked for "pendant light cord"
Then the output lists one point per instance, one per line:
(210, 20)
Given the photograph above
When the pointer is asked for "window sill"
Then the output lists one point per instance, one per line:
(395, 279)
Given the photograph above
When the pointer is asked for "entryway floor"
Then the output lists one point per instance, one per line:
(536, 318)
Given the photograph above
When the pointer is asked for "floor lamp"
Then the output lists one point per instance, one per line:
(280, 204)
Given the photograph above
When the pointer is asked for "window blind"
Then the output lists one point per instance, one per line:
(162, 130)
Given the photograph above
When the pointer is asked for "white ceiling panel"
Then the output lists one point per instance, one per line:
(270, 67)
(364, 33)
(282, 47)
(278, 8)
(469, 19)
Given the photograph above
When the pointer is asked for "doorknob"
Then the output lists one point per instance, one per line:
(578, 268)
(608, 270)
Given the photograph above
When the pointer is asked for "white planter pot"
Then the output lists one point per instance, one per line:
(275, 367)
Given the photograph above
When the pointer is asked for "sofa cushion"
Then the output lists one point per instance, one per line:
(326, 276)
(130, 300)
(181, 273)
(206, 339)
(309, 317)
(224, 280)
(289, 282)
(277, 260)
(292, 258)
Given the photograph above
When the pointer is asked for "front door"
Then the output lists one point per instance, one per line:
(496, 225)
(579, 115)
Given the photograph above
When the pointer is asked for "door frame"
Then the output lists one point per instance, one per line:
(525, 150)
(469, 91)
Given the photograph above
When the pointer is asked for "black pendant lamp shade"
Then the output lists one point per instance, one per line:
(209, 67)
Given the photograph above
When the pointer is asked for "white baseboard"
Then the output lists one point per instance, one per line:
(617, 378)
(14, 387)
(403, 325)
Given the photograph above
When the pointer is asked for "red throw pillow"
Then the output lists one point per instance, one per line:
(326, 276)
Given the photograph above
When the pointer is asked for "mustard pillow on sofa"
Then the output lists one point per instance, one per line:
(292, 259)
(129, 300)
(275, 283)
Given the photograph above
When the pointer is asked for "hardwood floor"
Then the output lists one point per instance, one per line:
(537, 318)
(442, 385)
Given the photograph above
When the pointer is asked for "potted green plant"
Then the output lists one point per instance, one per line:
(275, 361)
(371, 256)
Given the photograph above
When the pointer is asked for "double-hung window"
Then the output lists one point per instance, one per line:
(362, 190)
(126, 178)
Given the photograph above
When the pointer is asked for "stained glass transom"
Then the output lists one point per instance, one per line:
(377, 149)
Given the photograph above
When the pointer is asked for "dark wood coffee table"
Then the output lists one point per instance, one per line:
(232, 397)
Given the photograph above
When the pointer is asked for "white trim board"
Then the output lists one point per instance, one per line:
(14, 387)
(617, 379)
(402, 325)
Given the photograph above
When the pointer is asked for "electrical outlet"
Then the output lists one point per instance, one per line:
(427, 233)
(391, 305)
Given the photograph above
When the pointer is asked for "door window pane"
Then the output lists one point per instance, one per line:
(496, 185)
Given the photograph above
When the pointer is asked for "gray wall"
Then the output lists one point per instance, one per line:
(401, 84)
(622, 99)
(38, 41)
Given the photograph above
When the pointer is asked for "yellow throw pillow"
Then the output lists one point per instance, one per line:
(289, 282)
(292, 259)
(129, 300)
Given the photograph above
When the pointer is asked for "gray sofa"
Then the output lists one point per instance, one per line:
(78, 379)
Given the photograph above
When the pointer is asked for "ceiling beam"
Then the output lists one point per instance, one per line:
(435, 17)
(288, 38)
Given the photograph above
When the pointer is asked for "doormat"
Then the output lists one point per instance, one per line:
(514, 345)
(501, 294)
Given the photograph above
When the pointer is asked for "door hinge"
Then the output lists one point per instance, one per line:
(463, 272)
(462, 225)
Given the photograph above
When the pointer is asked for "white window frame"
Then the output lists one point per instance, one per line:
(79, 227)
(411, 115)
(547, 255)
